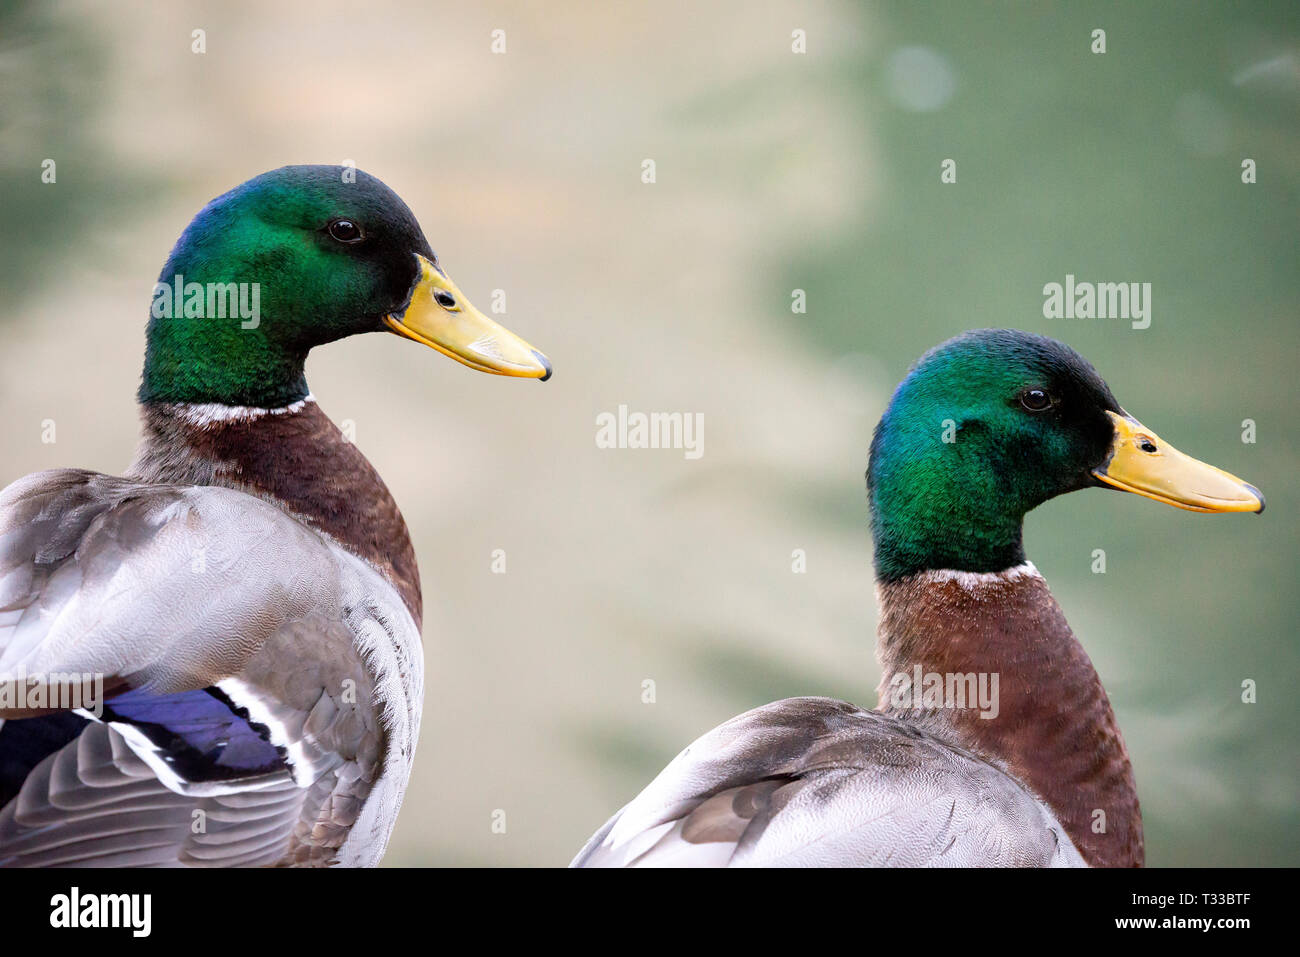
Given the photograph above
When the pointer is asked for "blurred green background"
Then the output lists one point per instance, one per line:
(775, 171)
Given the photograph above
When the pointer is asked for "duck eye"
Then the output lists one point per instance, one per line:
(445, 299)
(1035, 400)
(345, 231)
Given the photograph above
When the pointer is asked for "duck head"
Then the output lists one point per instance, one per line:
(993, 423)
(293, 259)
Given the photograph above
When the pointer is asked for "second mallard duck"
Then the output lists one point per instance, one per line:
(985, 427)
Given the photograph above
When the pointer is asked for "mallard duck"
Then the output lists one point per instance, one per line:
(984, 428)
(215, 659)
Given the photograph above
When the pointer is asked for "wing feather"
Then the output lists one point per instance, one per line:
(169, 587)
(818, 782)
(208, 751)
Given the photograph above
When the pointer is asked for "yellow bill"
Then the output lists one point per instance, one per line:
(442, 318)
(1143, 463)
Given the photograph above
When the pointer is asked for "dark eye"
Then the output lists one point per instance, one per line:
(1035, 400)
(345, 231)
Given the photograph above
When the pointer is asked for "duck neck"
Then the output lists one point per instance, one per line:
(1001, 673)
(293, 456)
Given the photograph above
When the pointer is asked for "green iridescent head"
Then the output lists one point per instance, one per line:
(993, 423)
(293, 259)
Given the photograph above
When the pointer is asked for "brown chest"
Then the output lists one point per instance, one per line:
(1051, 723)
(297, 459)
